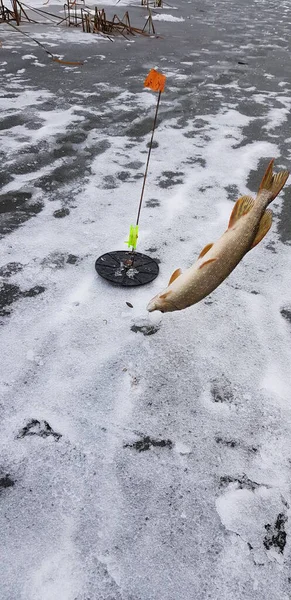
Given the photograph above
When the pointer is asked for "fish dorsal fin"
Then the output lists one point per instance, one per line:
(207, 262)
(205, 250)
(265, 224)
(174, 275)
(242, 206)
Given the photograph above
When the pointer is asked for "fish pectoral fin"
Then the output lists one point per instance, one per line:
(265, 224)
(242, 206)
(174, 275)
(207, 262)
(165, 294)
(205, 250)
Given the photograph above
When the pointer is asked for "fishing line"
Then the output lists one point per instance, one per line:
(54, 58)
(148, 159)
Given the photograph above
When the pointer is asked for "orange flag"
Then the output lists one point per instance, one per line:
(155, 81)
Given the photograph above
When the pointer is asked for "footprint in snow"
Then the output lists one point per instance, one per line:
(145, 328)
(38, 428)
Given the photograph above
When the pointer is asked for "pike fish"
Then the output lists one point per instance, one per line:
(249, 222)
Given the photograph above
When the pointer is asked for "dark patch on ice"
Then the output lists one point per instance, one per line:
(253, 109)
(58, 260)
(286, 313)
(254, 131)
(140, 129)
(61, 212)
(123, 175)
(196, 160)
(221, 391)
(13, 201)
(64, 150)
(284, 228)
(15, 209)
(99, 147)
(6, 177)
(34, 123)
(10, 269)
(39, 428)
(272, 247)
(134, 165)
(232, 192)
(72, 137)
(9, 95)
(199, 123)
(154, 144)
(109, 182)
(146, 443)
(6, 482)
(170, 178)
(242, 482)
(152, 203)
(34, 291)
(72, 259)
(145, 329)
(223, 80)
(11, 121)
(206, 137)
(190, 134)
(276, 534)
(224, 442)
(28, 160)
(73, 168)
(204, 188)
(242, 62)
(152, 249)
(255, 292)
(67, 145)
(10, 293)
(67, 172)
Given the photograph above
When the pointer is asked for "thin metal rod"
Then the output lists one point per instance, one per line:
(148, 159)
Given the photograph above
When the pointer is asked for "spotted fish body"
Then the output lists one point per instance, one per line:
(249, 223)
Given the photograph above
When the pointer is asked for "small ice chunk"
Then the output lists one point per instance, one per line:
(30, 355)
(182, 448)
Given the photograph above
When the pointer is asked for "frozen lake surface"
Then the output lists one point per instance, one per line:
(144, 457)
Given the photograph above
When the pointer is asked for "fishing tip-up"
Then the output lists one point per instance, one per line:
(128, 267)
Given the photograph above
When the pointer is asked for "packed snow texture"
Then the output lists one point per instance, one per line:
(144, 457)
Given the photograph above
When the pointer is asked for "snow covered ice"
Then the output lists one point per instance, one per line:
(144, 457)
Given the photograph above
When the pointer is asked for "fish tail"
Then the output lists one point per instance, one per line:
(273, 183)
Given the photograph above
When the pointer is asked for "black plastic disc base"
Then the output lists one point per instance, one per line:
(127, 268)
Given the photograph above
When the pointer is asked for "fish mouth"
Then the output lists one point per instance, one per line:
(152, 306)
(156, 304)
